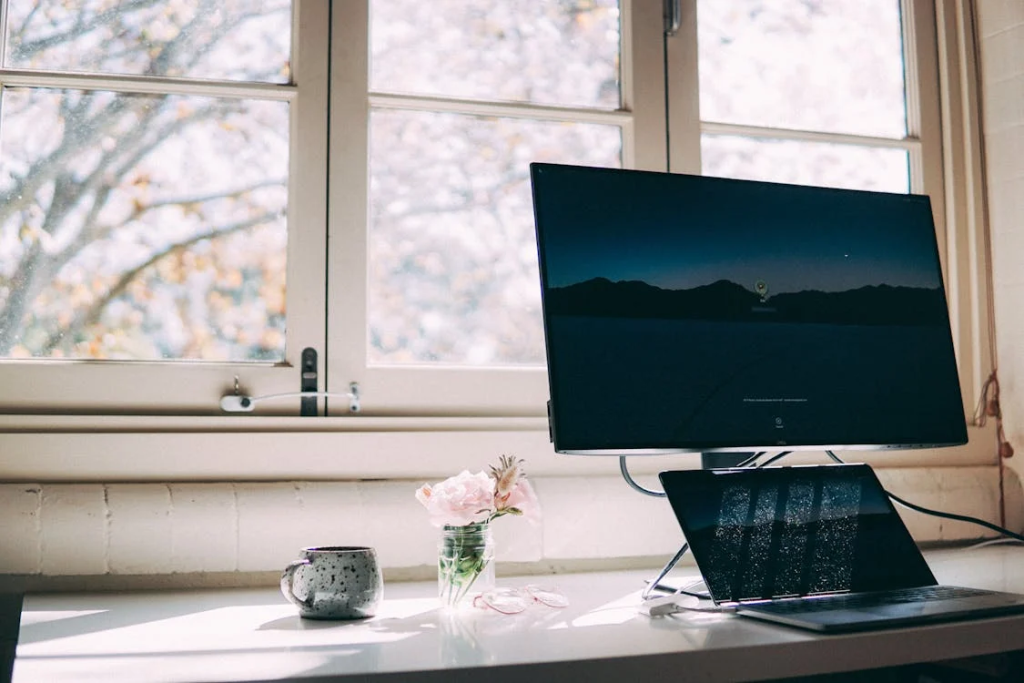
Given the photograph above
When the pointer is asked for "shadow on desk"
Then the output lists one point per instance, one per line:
(987, 669)
(10, 619)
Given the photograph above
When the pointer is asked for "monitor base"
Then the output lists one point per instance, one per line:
(708, 461)
(718, 461)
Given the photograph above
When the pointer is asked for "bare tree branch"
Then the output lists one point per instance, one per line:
(23, 192)
(92, 314)
(27, 49)
(204, 198)
(191, 41)
(15, 305)
(152, 138)
(72, 205)
(37, 267)
(15, 36)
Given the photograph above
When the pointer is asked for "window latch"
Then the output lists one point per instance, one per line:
(673, 13)
(308, 392)
(237, 403)
(308, 378)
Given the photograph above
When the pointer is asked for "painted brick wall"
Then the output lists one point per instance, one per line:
(132, 529)
(117, 530)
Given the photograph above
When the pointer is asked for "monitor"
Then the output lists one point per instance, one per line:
(696, 314)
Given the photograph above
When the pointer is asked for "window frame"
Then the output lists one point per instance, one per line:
(440, 390)
(74, 386)
(441, 430)
(942, 144)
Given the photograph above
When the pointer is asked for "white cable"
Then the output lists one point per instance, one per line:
(233, 403)
(671, 604)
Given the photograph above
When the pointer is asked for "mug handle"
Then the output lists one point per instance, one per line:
(288, 585)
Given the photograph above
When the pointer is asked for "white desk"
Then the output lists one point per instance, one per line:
(253, 635)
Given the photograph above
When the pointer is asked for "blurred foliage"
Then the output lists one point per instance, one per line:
(453, 258)
(833, 66)
(453, 263)
(153, 227)
(144, 226)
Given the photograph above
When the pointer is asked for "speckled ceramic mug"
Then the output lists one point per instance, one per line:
(334, 582)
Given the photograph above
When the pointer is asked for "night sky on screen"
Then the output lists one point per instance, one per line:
(679, 232)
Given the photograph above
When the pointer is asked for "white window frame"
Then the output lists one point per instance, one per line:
(424, 422)
(942, 144)
(439, 390)
(181, 387)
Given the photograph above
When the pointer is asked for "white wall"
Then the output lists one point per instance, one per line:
(1001, 34)
(97, 535)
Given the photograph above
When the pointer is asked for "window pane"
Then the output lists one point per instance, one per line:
(834, 66)
(142, 227)
(239, 40)
(806, 163)
(561, 52)
(453, 257)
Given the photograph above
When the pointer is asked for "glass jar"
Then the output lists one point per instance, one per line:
(465, 563)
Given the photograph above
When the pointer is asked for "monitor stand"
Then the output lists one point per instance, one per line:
(708, 461)
(717, 461)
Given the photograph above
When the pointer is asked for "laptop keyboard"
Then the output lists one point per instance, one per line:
(876, 599)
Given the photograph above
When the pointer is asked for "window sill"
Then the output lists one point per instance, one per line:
(231, 448)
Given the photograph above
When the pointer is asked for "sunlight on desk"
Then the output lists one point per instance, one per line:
(246, 635)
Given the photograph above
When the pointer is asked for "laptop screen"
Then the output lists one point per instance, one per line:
(791, 531)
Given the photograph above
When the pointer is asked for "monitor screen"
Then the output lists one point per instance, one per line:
(690, 313)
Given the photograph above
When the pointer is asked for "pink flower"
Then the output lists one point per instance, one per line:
(460, 500)
(478, 498)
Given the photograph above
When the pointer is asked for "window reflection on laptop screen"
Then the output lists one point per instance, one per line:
(779, 532)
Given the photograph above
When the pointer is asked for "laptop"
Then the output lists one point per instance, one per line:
(819, 548)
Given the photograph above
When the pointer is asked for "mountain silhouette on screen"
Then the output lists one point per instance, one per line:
(728, 301)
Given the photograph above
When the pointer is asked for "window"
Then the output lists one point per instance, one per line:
(358, 185)
(158, 193)
(769, 113)
(442, 316)
(872, 108)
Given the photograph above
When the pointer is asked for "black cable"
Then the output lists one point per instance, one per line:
(751, 460)
(959, 518)
(944, 515)
(774, 458)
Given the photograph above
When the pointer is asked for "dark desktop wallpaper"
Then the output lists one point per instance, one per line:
(694, 312)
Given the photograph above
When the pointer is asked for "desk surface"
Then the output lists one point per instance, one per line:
(254, 635)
